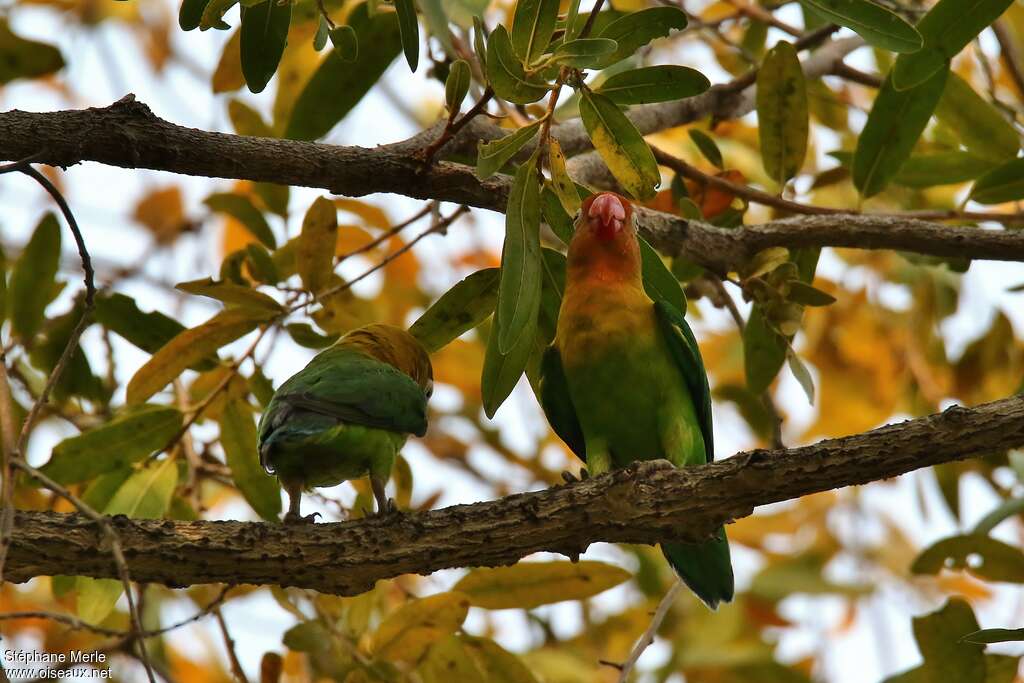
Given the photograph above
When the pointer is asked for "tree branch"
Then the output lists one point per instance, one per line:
(647, 503)
(127, 134)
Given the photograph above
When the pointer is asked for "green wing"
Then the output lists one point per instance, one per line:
(344, 385)
(686, 353)
(557, 403)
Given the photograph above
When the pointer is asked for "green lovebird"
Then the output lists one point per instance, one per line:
(624, 380)
(347, 414)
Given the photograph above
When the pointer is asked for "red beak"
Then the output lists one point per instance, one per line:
(607, 214)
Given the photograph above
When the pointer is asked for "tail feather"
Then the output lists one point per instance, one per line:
(705, 567)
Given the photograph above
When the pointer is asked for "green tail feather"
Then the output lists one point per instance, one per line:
(705, 567)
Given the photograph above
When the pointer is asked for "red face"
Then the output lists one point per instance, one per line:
(607, 213)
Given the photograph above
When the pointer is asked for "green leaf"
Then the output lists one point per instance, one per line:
(519, 287)
(946, 29)
(303, 334)
(457, 84)
(654, 84)
(238, 438)
(492, 156)
(561, 183)
(634, 30)
(261, 264)
(938, 635)
(77, 378)
(896, 121)
(531, 584)
(801, 373)
(264, 35)
(145, 495)
(659, 282)
(994, 635)
(764, 351)
(532, 27)
(245, 212)
(459, 310)
(1002, 184)
(191, 13)
(982, 128)
(148, 331)
(230, 293)
(584, 53)
(34, 278)
(437, 22)
(555, 215)
(620, 145)
(409, 28)
(501, 371)
(345, 42)
(21, 58)
(322, 33)
(480, 42)
(135, 434)
(782, 112)
(877, 25)
(186, 349)
(941, 168)
(506, 74)
(308, 636)
(339, 84)
(213, 15)
(1008, 508)
(981, 555)
(707, 147)
(314, 251)
(808, 295)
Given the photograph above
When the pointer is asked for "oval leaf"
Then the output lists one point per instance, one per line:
(707, 147)
(245, 212)
(186, 349)
(457, 85)
(238, 438)
(659, 282)
(341, 80)
(941, 168)
(764, 351)
(654, 84)
(314, 251)
(532, 27)
(620, 145)
(502, 371)
(1002, 184)
(459, 310)
(133, 435)
(409, 28)
(561, 183)
(519, 288)
(782, 112)
(877, 25)
(346, 42)
(264, 35)
(896, 121)
(981, 127)
(33, 282)
(492, 156)
(231, 293)
(531, 584)
(946, 29)
(506, 74)
(996, 561)
(407, 633)
(632, 31)
(584, 53)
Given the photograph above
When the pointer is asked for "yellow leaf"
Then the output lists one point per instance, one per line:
(188, 348)
(314, 253)
(447, 661)
(373, 216)
(407, 633)
(228, 74)
(531, 584)
(163, 213)
(497, 664)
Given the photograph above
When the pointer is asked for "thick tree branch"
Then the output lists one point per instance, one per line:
(642, 504)
(127, 134)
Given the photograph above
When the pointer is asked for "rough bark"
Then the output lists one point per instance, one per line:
(127, 134)
(648, 503)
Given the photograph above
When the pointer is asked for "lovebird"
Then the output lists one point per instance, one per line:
(624, 380)
(347, 414)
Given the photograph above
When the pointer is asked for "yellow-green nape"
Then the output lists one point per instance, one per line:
(394, 346)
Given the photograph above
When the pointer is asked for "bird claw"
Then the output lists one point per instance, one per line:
(389, 509)
(570, 478)
(291, 518)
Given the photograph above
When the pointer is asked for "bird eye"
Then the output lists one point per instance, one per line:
(430, 388)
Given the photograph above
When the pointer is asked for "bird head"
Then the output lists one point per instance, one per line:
(604, 246)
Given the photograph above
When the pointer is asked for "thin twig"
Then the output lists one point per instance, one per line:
(454, 126)
(229, 644)
(652, 629)
(388, 234)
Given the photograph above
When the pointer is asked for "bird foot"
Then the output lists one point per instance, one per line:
(389, 508)
(570, 478)
(295, 518)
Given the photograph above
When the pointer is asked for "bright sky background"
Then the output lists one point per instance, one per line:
(105, 64)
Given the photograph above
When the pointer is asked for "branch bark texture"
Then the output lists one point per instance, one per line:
(647, 503)
(127, 134)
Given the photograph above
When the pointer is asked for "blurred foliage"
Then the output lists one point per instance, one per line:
(156, 415)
